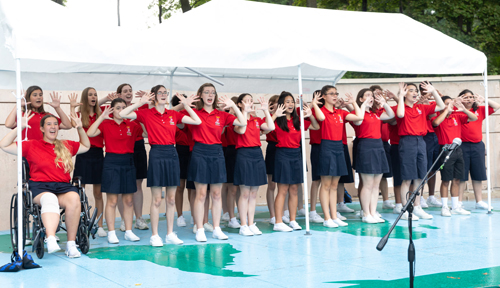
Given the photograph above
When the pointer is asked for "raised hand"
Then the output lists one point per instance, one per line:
(280, 110)
(341, 104)
(147, 98)
(248, 106)
(479, 99)
(72, 100)
(427, 87)
(389, 94)
(24, 120)
(140, 93)
(105, 114)
(226, 102)
(317, 96)
(458, 103)
(307, 111)
(112, 96)
(380, 99)
(348, 99)
(403, 89)
(55, 100)
(77, 121)
(188, 101)
(264, 105)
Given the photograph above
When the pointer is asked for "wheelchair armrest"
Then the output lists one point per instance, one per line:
(77, 181)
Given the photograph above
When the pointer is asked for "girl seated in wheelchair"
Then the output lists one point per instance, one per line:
(50, 167)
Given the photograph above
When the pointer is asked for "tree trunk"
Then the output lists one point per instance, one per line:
(160, 13)
(60, 2)
(364, 5)
(401, 6)
(185, 5)
(312, 3)
(118, 11)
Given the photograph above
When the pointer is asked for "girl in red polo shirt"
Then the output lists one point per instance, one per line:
(50, 163)
(332, 159)
(164, 170)
(249, 169)
(288, 170)
(371, 161)
(473, 146)
(269, 159)
(230, 158)
(315, 142)
(207, 165)
(33, 99)
(118, 169)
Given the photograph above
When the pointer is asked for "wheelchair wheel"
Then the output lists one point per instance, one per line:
(39, 248)
(83, 239)
(14, 229)
(38, 233)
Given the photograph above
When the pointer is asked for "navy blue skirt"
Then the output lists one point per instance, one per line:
(315, 149)
(371, 157)
(184, 155)
(89, 166)
(349, 178)
(54, 187)
(207, 164)
(396, 165)
(230, 159)
(118, 174)
(288, 166)
(387, 149)
(163, 168)
(270, 156)
(354, 152)
(331, 159)
(250, 167)
(140, 160)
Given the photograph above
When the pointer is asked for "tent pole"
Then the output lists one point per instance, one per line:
(488, 162)
(303, 141)
(171, 94)
(20, 244)
(205, 75)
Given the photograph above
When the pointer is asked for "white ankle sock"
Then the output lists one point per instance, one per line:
(454, 202)
(444, 201)
(110, 233)
(431, 197)
(129, 232)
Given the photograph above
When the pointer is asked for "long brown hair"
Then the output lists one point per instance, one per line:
(63, 156)
(120, 88)
(200, 103)
(361, 93)
(84, 109)
(27, 96)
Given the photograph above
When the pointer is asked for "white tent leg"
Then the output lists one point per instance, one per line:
(303, 141)
(171, 94)
(488, 163)
(20, 205)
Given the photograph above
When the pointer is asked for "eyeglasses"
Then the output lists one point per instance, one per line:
(332, 94)
(209, 93)
(162, 93)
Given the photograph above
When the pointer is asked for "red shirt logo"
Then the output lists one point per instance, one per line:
(129, 133)
(217, 122)
(257, 124)
(455, 122)
(171, 120)
(419, 111)
(340, 119)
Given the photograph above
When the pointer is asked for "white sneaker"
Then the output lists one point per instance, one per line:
(233, 223)
(208, 227)
(418, 211)
(281, 227)
(192, 221)
(200, 235)
(301, 212)
(195, 229)
(218, 234)
(315, 218)
(294, 225)
(272, 220)
(460, 211)
(423, 203)
(369, 219)
(245, 231)
(379, 219)
(140, 224)
(360, 213)
(255, 230)
(378, 214)
(388, 205)
(341, 207)
(339, 216)
(156, 241)
(57, 238)
(461, 204)
(181, 222)
(286, 217)
(225, 217)
(433, 202)
(445, 211)
(330, 224)
(71, 250)
(405, 216)
(397, 208)
(101, 232)
(130, 236)
(122, 226)
(173, 239)
(482, 205)
(52, 245)
(339, 222)
(112, 239)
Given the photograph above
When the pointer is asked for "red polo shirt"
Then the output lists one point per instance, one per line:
(120, 138)
(385, 132)
(415, 120)
(143, 107)
(41, 158)
(231, 136)
(332, 128)
(34, 133)
(393, 134)
(98, 141)
(315, 137)
(210, 129)
(290, 139)
(371, 126)
(161, 127)
(473, 131)
(181, 138)
(451, 127)
(251, 138)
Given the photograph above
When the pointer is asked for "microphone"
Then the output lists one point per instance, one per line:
(451, 148)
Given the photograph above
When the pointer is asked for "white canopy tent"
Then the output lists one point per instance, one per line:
(233, 41)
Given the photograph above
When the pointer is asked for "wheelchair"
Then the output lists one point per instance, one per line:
(32, 228)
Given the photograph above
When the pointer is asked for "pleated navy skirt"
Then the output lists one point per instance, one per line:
(371, 158)
(288, 166)
(230, 158)
(207, 164)
(332, 160)
(118, 174)
(250, 167)
(270, 156)
(315, 149)
(354, 152)
(140, 160)
(387, 149)
(89, 166)
(163, 168)
(184, 155)
(349, 178)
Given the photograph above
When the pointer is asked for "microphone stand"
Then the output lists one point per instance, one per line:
(409, 207)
